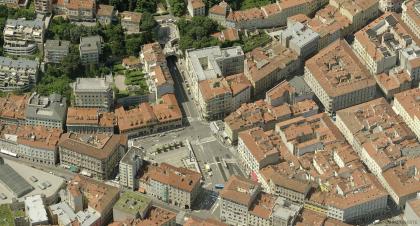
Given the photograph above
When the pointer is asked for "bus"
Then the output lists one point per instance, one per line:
(219, 186)
(6, 152)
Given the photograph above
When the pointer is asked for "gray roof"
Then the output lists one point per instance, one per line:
(53, 107)
(132, 154)
(284, 209)
(19, 63)
(57, 45)
(12, 180)
(93, 84)
(37, 23)
(300, 34)
(90, 43)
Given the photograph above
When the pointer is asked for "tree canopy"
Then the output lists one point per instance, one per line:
(196, 33)
(178, 7)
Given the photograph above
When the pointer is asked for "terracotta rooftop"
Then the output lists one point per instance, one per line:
(411, 11)
(105, 10)
(261, 144)
(90, 116)
(338, 70)
(282, 90)
(328, 21)
(245, 15)
(240, 190)
(147, 115)
(13, 106)
(196, 4)
(132, 17)
(206, 222)
(99, 146)
(219, 9)
(178, 177)
(76, 4)
(263, 206)
(356, 6)
(152, 52)
(39, 137)
(250, 114)
(410, 101)
(393, 82)
(157, 217)
(99, 196)
(262, 62)
(228, 34)
(161, 75)
(131, 60)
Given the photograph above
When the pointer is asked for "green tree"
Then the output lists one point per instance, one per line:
(177, 7)
(196, 33)
(147, 22)
(146, 6)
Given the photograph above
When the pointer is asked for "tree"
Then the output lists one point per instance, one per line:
(177, 7)
(71, 65)
(147, 22)
(196, 33)
(144, 6)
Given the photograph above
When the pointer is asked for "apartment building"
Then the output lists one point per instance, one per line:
(22, 37)
(39, 144)
(105, 14)
(203, 222)
(43, 6)
(390, 5)
(90, 120)
(13, 3)
(130, 21)
(371, 128)
(411, 16)
(160, 81)
(56, 50)
(49, 111)
(265, 67)
(338, 78)
(285, 212)
(130, 206)
(151, 56)
(158, 216)
(17, 75)
(411, 212)
(93, 93)
(409, 59)
(173, 185)
(219, 12)
(378, 43)
(393, 82)
(12, 111)
(84, 193)
(196, 8)
(407, 105)
(129, 167)
(62, 214)
(228, 34)
(271, 15)
(236, 198)
(293, 189)
(211, 63)
(358, 12)
(96, 155)
(303, 135)
(299, 38)
(35, 210)
(90, 49)
(148, 119)
(293, 91)
(220, 96)
(76, 10)
(258, 149)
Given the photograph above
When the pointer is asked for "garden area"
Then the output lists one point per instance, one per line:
(129, 82)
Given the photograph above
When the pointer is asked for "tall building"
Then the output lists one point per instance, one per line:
(35, 210)
(49, 111)
(55, 50)
(93, 93)
(338, 79)
(390, 5)
(300, 38)
(90, 120)
(173, 185)
(76, 10)
(407, 105)
(130, 166)
(96, 155)
(22, 37)
(411, 16)
(196, 8)
(43, 6)
(17, 75)
(90, 49)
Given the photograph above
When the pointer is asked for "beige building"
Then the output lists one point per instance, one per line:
(219, 97)
(236, 198)
(293, 189)
(303, 135)
(371, 128)
(411, 16)
(95, 155)
(105, 14)
(338, 79)
(18, 75)
(76, 10)
(173, 185)
(407, 105)
(90, 49)
(378, 44)
(13, 110)
(148, 119)
(130, 21)
(218, 12)
(390, 5)
(49, 111)
(56, 50)
(257, 150)
(43, 6)
(130, 166)
(90, 120)
(266, 67)
(93, 93)
(22, 37)
(196, 8)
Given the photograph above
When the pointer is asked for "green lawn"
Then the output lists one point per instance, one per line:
(253, 42)
(6, 215)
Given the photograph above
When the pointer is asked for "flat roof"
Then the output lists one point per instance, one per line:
(133, 202)
(26, 172)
